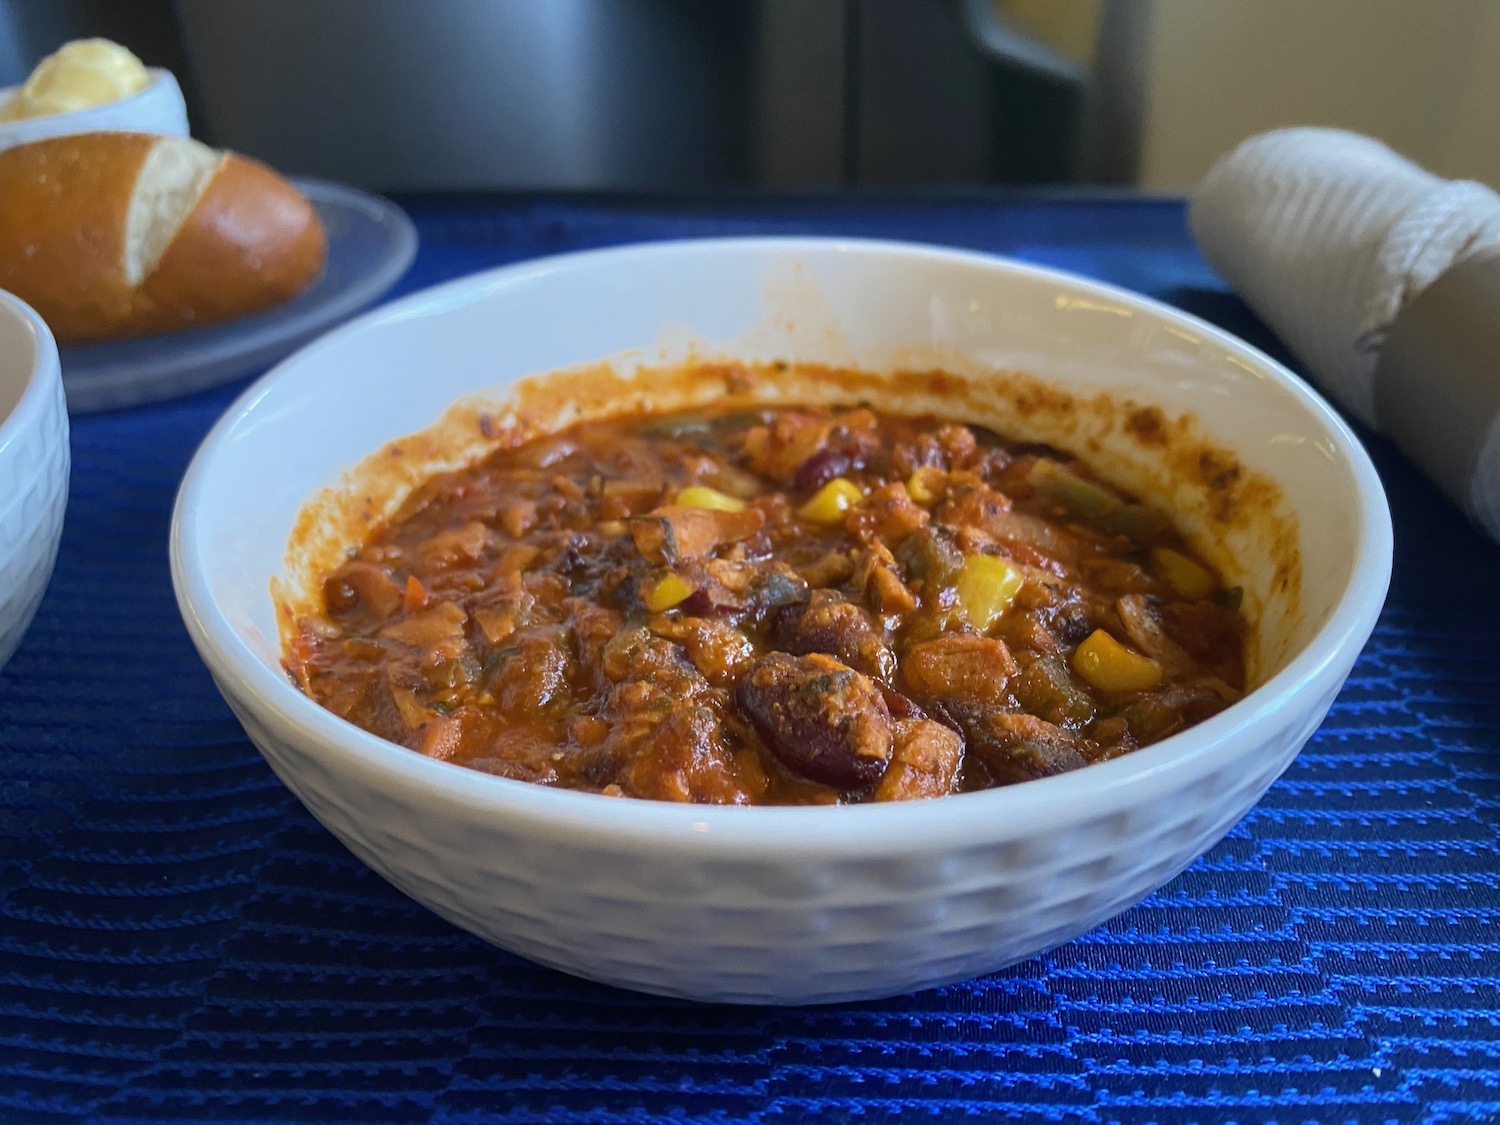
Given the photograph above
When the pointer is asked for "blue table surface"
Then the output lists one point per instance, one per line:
(181, 941)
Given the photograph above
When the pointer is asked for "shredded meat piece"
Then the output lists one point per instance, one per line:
(962, 667)
(360, 593)
(718, 650)
(879, 576)
(532, 672)
(888, 516)
(972, 504)
(440, 625)
(1138, 617)
(440, 737)
(670, 535)
(391, 708)
(925, 758)
(832, 569)
(779, 449)
(665, 735)
(457, 544)
(827, 622)
(947, 448)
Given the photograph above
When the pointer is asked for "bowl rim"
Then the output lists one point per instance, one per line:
(160, 76)
(782, 831)
(46, 369)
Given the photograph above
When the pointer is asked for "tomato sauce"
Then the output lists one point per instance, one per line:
(794, 605)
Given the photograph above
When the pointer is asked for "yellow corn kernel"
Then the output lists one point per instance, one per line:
(701, 496)
(1182, 574)
(667, 592)
(985, 587)
(1109, 666)
(830, 502)
(924, 485)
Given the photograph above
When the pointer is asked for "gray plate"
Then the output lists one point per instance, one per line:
(371, 243)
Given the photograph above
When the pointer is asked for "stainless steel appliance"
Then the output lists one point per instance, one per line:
(634, 94)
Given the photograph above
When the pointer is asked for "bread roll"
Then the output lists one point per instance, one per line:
(109, 235)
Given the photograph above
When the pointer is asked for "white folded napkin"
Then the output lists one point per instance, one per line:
(1331, 237)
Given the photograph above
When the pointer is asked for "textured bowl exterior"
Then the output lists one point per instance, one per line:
(816, 927)
(34, 466)
(758, 905)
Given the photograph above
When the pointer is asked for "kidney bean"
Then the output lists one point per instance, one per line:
(820, 718)
(709, 599)
(824, 465)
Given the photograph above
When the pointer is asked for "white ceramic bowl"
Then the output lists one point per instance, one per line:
(33, 466)
(159, 108)
(784, 905)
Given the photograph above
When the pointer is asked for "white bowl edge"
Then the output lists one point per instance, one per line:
(789, 831)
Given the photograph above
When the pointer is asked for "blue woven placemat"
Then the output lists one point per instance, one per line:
(181, 941)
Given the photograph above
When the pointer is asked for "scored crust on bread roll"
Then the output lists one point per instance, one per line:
(109, 235)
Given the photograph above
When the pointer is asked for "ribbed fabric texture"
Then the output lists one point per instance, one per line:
(181, 942)
(1328, 235)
